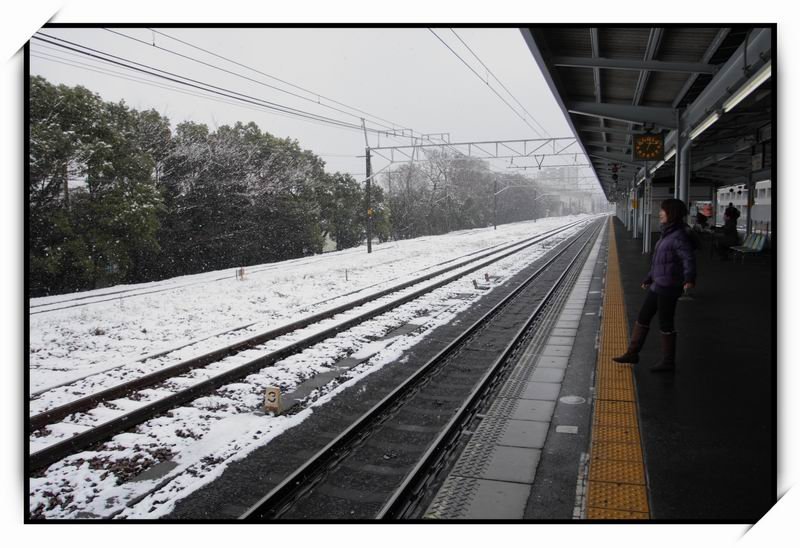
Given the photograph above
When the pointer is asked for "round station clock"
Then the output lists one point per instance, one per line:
(649, 147)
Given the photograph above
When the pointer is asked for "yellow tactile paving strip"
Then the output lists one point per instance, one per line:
(616, 482)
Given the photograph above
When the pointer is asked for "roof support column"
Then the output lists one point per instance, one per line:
(751, 189)
(685, 161)
(636, 212)
(647, 210)
(678, 162)
(628, 206)
(641, 210)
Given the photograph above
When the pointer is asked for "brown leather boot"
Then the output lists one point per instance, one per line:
(637, 341)
(667, 362)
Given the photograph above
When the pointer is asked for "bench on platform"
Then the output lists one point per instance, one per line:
(753, 245)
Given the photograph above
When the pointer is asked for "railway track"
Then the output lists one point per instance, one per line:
(350, 477)
(157, 287)
(56, 451)
(101, 296)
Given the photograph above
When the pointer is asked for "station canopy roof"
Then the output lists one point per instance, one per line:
(614, 82)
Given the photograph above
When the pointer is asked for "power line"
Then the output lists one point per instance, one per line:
(498, 81)
(211, 65)
(323, 119)
(99, 70)
(199, 84)
(260, 102)
(142, 80)
(486, 82)
(393, 124)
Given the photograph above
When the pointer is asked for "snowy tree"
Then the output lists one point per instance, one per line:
(89, 234)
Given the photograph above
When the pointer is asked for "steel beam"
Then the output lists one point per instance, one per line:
(721, 172)
(628, 169)
(616, 158)
(710, 51)
(711, 155)
(653, 42)
(598, 97)
(611, 131)
(539, 58)
(554, 166)
(677, 157)
(726, 148)
(656, 116)
(623, 146)
(554, 141)
(633, 64)
(685, 163)
(729, 79)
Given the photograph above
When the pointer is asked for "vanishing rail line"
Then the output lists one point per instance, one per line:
(163, 286)
(79, 405)
(293, 497)
(168, 351)
(59, 450)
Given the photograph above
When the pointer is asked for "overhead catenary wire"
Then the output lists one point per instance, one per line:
(176, 89)
(183, 80)
(371, 117)
(499, 81)
(276, 88)
(509, 105)
(107, 72)
(143, 80)
(217, 93)
(389, 132)
(275, 78)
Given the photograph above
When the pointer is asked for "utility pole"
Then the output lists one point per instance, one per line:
(495, 204)
(368, 192)
(66, 185)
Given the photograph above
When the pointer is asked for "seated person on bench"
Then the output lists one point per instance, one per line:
(729, 236)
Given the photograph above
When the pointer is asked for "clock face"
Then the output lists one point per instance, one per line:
(648, 147)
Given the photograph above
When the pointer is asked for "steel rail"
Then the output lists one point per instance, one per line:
(277, 501)
(78, 442)
(410, 489)
(167, 351)
(44, 418)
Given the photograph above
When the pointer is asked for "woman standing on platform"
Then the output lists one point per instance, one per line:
(672, 271)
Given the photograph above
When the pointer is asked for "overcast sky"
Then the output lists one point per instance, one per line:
(404, 75)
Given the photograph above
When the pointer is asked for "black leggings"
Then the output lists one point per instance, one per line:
(665, 305)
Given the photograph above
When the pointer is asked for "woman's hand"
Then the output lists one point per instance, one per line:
(645, 285)
(688, 285)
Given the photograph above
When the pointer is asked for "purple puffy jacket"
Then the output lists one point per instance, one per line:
(673, 261)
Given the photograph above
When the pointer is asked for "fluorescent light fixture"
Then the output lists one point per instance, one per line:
(669, 154)
(704, 125)
(658, 165)
(763, 74)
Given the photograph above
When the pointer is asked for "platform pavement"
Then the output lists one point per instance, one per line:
(708, 430)
(524, 460)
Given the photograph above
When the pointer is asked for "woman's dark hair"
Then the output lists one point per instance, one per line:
(675, 209)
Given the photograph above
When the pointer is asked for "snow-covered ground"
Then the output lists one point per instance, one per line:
(201, 438)
(117, 325)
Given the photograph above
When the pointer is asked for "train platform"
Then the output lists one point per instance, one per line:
(574, 435)
(570, 435)
(708, 429)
